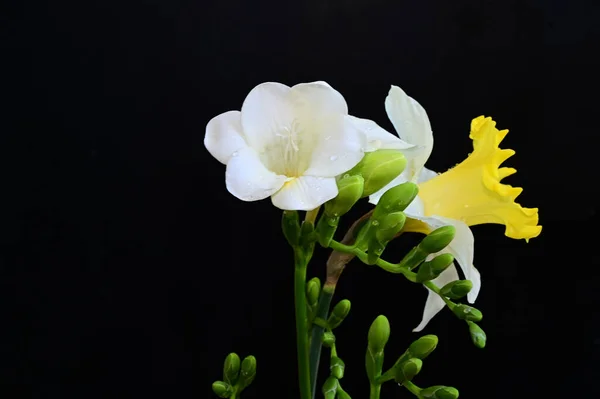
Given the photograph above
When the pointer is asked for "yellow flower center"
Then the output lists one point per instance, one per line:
(472, 192)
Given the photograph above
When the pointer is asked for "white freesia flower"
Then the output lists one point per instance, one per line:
(288, 144)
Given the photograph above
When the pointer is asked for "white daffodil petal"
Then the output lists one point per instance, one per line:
(411, 123)
(318, 98)
(224, 136)
(248, 179)
(434, 303)
(267, 112)
(305, 193)
(426, 174)
(377, 137)
(462, 247)
(339, 146)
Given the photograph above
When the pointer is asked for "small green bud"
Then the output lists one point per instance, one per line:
(330, 387)
(231, 368)
(433, 268)
(414, 257)
(477, 335)
(222, 389)
(290, 224)
(337, 367)
(339, 313)
(326, 228)
(405, 371)
(306, 234)
(313, 290)
(379, 334)
(466, 312)
(396, 199)
(423, 347)
(456, 289)
(438, 239)
(342, 395)
(248, 371)
(390, 226)
(378, 168)
(439, 392)
(328, 339)
(350, 190)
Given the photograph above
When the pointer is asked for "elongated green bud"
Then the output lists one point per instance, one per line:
(326, 228)
(231, 368)
(339, 313)
(306, 234)
(457, 289)
(350, 190)
(466, 312)
(439, 392)
(423, 346)
(433, 268)
(290, 224)
(313, 290)
(337, 367)
(379, 334)
(438, 239)
(342, 394)
(477, 335)
(396, 199)
(405, 371)
(328, 339)
(330, 387)
(390, 226)
(378, 168)
(247, 372)
(222, 389)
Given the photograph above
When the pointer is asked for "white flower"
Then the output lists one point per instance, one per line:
(412, 124)
(287, 143)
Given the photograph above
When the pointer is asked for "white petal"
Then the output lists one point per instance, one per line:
(461, 247)
(266, 110)
(224, 136)
(377, 137)
(374, 198)
(319, 97)
(426, 174)
(434, 303)
(248, 179)
(339, 146)
(305, 193)
(411, 123)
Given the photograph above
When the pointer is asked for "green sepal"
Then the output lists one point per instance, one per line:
(432, 269)
(350, 190)
(396, 199)
(378, 168)
(478, 336)
(231, 368)
(328, 339)
(422, 347)
(222, 389)
(438, 239)
(406, 370)
(313, 290)
(337, 367)
(290, 224)
(339, 313)
(457, 289)
(439, 392)
(466, 312)
(247, 372)
(326, 228)
(330, 387)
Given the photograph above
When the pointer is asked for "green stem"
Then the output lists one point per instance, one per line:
(412, 388)
(317, 333)
(301, 324)
(375, 391)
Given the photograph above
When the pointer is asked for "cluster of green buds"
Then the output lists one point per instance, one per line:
(237, 375)
(332, 388)
(406, 366)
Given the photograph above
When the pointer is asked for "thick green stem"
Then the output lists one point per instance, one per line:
(301, 324)
(375, 391)
(317, 332)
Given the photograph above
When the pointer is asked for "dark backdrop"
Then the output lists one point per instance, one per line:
(128, 270)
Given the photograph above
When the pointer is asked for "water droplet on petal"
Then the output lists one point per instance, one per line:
(327, 138)
(333, 157)
(235, 154)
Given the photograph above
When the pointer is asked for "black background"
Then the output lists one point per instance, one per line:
(128, 270)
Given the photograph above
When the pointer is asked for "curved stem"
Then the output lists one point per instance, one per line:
(375, 391)
(317, 332)
(301, 324)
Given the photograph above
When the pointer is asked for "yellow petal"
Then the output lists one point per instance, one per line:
(472, 192)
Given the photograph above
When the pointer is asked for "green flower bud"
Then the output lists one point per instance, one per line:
(432, 269)
(438, 239)
(306, 234)
(231, 368)
(350, 190)
(396, 199)
(413, 258)
(342, 395)
(330, 387)
(466, 312)
(405, 371)
(290, 224)
(477, 335)
(339, 313)
(379, 334)
(457, 289)
(439, 392)
(326, 228)
(390, 226)
(313, 290)
(328, 339)
(222, 389)
(423, 347)
(337, 367)
(378, 168)
(248, 371)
